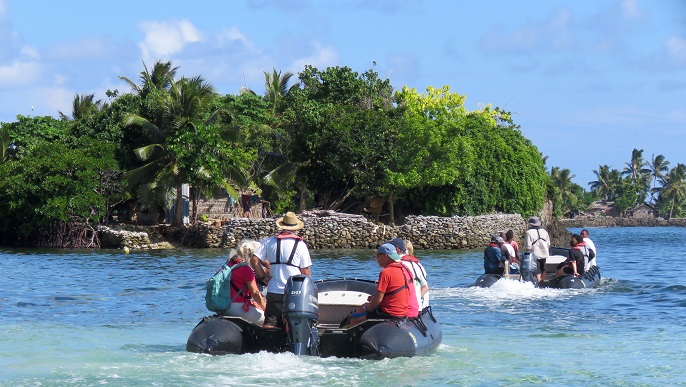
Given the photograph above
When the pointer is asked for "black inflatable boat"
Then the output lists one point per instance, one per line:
(314, 312)
(589, 279)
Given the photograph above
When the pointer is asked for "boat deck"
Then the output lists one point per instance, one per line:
(336, 305)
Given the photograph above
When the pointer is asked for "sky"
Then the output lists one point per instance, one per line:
(587, 80)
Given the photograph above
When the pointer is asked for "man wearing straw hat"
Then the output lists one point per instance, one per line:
(286, 255)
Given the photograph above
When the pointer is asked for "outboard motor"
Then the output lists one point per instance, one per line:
(528, 268)
(301, 312)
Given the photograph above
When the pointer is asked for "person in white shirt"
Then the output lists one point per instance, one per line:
(406, 252)
(538, 243)
(590, 245)
(283, 255)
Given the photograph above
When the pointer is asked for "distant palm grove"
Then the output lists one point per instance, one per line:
(329, 139)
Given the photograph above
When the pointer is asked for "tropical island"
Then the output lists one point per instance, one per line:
(334, 140)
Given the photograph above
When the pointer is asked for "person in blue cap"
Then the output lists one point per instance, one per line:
(392, 291)
(493, 257)
(421, 286)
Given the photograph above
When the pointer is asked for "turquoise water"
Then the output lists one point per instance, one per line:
(102, 317)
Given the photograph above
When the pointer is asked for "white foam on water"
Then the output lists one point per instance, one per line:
(505, 292)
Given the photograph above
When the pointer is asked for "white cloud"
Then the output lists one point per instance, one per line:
(163, 39)
(29, 52)
(56, 99)
(232, 35)
(19, 73)
(321, 58)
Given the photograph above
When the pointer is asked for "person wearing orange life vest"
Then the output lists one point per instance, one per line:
(391, 300)
(421, 286)
(284, 255)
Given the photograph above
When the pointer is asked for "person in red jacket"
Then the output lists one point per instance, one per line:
(392, 291)
(247, 301)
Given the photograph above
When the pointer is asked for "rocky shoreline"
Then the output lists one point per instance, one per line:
(323, 230)
(332, 230)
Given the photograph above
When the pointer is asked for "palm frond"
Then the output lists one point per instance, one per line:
(156, 135)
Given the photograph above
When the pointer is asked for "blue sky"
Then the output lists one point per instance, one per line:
(587, 80)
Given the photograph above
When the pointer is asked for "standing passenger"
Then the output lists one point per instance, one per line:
(285, 255)
(538, 243)
(591, 246)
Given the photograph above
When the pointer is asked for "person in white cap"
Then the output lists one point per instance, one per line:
(538, 243)
(285, 255)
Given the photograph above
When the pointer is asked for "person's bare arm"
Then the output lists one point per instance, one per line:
(261, 268)
(376, 300)
(256, 295)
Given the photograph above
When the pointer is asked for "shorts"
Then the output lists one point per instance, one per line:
(567, 268)
(540, 263)
(253, 315)
(274, 310)
(496, 271)
(379, 314)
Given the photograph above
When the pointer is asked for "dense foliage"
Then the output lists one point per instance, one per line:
(335, 139)
(50, 184)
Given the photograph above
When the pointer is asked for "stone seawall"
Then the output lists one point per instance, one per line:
(325, 230)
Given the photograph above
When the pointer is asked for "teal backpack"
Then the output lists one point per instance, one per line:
(218, 295)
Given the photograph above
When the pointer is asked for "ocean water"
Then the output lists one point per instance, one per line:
(89, 318)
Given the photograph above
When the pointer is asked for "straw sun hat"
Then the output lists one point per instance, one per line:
(290, 222)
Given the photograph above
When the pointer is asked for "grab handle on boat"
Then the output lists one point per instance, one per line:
(430, 312)
(417, 321)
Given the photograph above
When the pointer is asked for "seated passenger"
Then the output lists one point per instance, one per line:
(244, 287)
(420, 278)
(392, 291)
(414, 268)
(577, 258)
(494, 262)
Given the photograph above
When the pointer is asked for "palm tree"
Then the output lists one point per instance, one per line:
(657, 166)
(602, 183)
(636, 167)
(562, 180)
(83, 106)
(673, 191)
(162, 174)
(276, 89)
(161, 78)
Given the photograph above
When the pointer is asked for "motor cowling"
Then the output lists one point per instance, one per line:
(301, 312)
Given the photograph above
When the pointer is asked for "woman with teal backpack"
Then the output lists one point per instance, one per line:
(246, 300)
